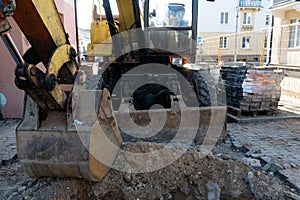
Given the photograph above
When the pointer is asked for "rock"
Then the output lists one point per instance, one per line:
(250, 175)
(250, 181)
(293, 165)
(214, 191)
(225, 157)
(14, 194)
(127, 178)
(210, 156)
(168, 196)
(266, 159)
(293, 190)
(21, 189)
(255, 163)
(271, 174)
(271, 166)
(140, 186)
(258, 173)
(255, 155)
(292, 196)
(254, 152)
(27, 197)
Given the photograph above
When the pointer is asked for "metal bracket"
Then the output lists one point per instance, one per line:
(63, 56)
(7, 9)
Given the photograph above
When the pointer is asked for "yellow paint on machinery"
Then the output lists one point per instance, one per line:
(61, 56)
(99, 32)
(48, 12)
(101, 43)
(127, 19)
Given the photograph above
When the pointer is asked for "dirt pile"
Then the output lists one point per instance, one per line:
(189, 177)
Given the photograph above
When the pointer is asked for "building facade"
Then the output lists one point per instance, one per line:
(237, 27)
(13, 96)
(285, 46)
(286, 33)
(84, 39)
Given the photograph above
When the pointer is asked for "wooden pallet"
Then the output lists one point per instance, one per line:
(239, 112)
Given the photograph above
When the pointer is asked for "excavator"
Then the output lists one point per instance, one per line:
(75, 122)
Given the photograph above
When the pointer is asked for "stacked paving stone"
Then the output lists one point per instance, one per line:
(251, 90)
(261, 90)
(233, 78)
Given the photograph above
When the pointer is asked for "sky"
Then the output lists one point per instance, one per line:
(84, 11)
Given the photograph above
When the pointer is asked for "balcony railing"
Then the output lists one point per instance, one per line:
(280, 1)
(250, 3)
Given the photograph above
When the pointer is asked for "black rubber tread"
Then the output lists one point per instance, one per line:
(200, 81)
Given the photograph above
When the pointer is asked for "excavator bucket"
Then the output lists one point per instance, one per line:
(190, 125)
(174, 131)
(70, 145)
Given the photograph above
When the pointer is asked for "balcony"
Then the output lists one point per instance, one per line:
(250, 4)
(283, 1)
(279, 7)
(279, 1)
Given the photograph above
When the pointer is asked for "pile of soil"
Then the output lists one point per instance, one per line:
(214, 176)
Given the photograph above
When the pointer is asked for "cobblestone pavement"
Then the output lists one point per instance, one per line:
(8, 139)
(276, 146)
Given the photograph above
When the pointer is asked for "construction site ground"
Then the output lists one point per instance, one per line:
(259, 160)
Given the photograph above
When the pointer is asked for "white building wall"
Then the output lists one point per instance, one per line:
(209, 15)
(260, 19)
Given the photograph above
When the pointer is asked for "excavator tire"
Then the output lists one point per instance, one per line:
(201, 89)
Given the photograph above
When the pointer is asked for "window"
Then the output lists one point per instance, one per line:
(169, 14)
(223, 42)
(267, 19)
(224, 18)
(246, 42)
(247, 18)
(266, 42)
(294, 33)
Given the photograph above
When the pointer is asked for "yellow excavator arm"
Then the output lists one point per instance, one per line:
(40, 22)
(62, 130)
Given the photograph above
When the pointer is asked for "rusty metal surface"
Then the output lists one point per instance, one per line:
(6, 9)
(179, 124)
(70, 144)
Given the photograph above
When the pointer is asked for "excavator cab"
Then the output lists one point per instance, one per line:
(147, 24)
